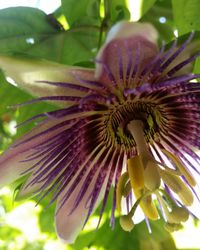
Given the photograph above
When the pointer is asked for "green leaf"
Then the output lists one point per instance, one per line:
(117, 239)
(75, 11)
(36, 245)
(186, 15)
(20, 27)
(117, 10)
(9, 233)
(146, 5)
(69, 47)
(160, 9)
(197, 67)
(11, 95)
(28, 31)
(46, 217)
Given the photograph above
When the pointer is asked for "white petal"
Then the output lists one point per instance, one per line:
(68, 226)
(125, 36)
(126, 29)
(26, 73)
(10, 166)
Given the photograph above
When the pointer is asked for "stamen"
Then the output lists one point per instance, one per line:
(127, 189)
(172, 227)
(126, 223)
(179, 214)
(150, 211)
(178, 186)
(120, 189)
(184, 171)
(147, 163)
(147, 205)
(136, 172)
(151, 176)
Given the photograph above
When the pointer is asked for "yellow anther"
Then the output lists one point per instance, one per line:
(184, 171)
(151, 175)
(171, 180)
(186, 196)
(178, 186)
(172, 227)
(127, 189)
(120, 189)
(136, 172)
(126, 223)
(148, 207)
(143, 169)
(179, 214)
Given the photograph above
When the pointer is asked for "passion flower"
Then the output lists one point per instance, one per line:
(132, 123)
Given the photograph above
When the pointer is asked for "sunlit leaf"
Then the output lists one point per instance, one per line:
(10, 234)
(21, 27)
(11, 96)
(28, 31)
(186, 15)
(197, 66)
(76, 12)
(161, 9)
(146, 5)
(46, 217)
(118, 10)
(117, 239)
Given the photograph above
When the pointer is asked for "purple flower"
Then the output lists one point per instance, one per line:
(132, 123)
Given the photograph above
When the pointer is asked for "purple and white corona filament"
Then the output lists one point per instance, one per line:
(132, 123)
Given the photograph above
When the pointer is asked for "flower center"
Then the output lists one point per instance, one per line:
(120, 116)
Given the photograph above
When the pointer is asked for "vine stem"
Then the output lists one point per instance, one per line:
(104, 22)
